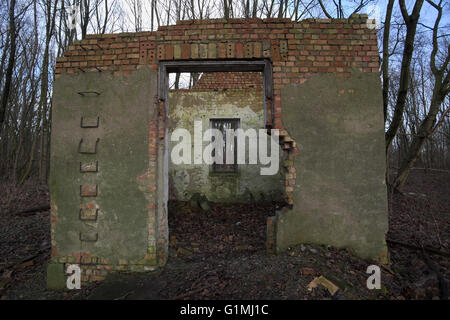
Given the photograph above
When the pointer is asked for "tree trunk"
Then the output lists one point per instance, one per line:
(440, 91)
(11, 61)
(385, 63)
(425, 131)
(226, 10)
(411, 27)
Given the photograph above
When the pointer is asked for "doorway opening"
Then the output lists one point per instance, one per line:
(217, 209)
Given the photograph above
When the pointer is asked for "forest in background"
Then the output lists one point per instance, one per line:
(414, 51)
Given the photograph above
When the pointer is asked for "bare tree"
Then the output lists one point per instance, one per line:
(441, 89)
(135, 7)
(342, 9)
(386, 55)
(12, 35)
(411, 27)
(49, 8)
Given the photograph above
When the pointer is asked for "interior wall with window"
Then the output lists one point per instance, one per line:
(220, 100)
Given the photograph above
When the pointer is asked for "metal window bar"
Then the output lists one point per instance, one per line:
(223, 125)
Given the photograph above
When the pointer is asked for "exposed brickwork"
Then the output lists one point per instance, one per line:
(237, 96)
(296, 50)
(229, 80)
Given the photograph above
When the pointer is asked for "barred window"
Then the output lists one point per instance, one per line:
(228, 146)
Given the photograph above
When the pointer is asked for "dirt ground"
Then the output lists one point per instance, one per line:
(220, 254)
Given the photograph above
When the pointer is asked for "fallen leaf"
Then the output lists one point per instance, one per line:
(307, 271)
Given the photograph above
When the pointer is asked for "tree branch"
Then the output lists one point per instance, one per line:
(325, 10)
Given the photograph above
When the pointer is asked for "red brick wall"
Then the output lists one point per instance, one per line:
(229, 80)
(296, 49)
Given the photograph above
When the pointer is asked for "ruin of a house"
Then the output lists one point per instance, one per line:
(319, 85)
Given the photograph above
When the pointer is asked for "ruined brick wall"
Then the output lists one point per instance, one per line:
(296, 50)
(229, 80)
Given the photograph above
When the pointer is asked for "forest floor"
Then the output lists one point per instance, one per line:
(220, 254)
